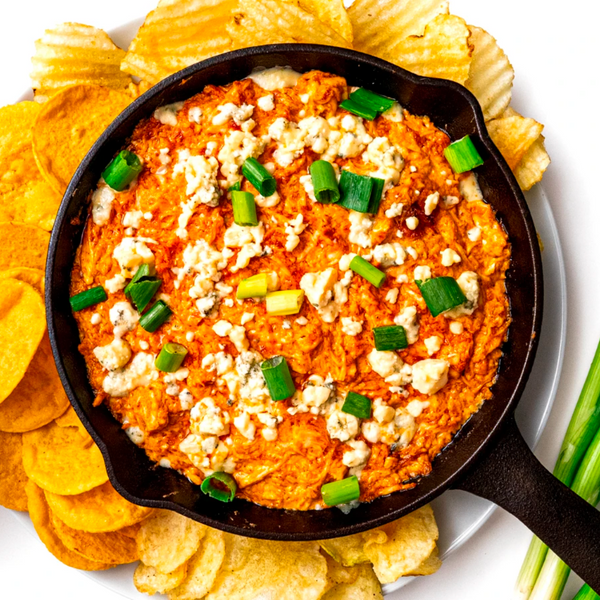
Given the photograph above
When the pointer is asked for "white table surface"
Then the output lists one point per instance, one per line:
(554, 48)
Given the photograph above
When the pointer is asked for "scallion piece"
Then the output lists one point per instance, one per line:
(259, 177)
(220, 486)
(122, 170)
(244, 209)
(365, 269)
(355, 191)
(236, 187)
(376, 193)
(256, 286)
(462, 155)
(324, 182)
(143, 291)
(371, 100)
(360, 110)
(586, 593)
(278, 378)
(341, 492)
(441, 294)
(170, 357)
(357, 405)
(156, 316)
(286, 302)
(390, 337)
(87, 298)
(144, 272)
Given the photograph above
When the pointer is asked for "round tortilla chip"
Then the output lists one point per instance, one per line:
(38, 398)
(34, 277)
(22, 325)
(100, 510)
(22, 246)
(149, 580)
(12, 475)
(40, 516)
(67, 127)
(62, 461)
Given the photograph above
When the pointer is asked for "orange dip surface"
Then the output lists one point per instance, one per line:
(215, 413)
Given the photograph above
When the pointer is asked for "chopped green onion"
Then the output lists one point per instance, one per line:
(122, 170)
(357, 405)
(358, 109)
(259, 177)
(371, 100)
(144, 272)
(390, 337)
(324, 182)
(462, 155)
(278, 378)
(355, 191)
(236, 187)
(244, 209)
(365, 269)
(341, 492)
(376, 193)
(220, 486)
(441, 294)
(286, 302)
(256, 286)
(141, 292)
(586, 593)
(170, 358)
(156, 316)
(87, 298)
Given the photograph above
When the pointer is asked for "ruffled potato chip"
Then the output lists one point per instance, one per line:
(40, 516)
(166, 540)
(337, 572)
(22, 326)
(333, 14)
(349, 550)
(22, 246)
(429, 566)
(12, 476)
(364, 587)
(68, 125)
(149, 580)
(533, 165)
(60, 460)
(99, 510)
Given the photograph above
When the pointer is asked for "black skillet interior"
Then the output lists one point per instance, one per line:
(451, 108)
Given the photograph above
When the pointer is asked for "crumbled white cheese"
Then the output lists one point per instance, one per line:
(431, 203)
(392, 295)
(456, 327)
(390, 366)
(131, 253)
(245, 426)
(325, 293)
(422, 272)
(412, 252)
(409, 319)
(430, 375)
(474, 234)
(395, 113)
(433, 344)
(395, 210)
(237, 147)
(249, 239)
(136, 435)
(412, 223)
(302, 321)
(194, 114)
(236, 333)
(266, 103)
(360, 229)
(230, 111)
(268, 201)
(388, 160)
(469, 188)
(114, 355)
(102, 200)
(389, 255)
(123, 317)
(469, 284)
(449, 201)
(358, 456)
(186, 399)
(139, 372)
(293, 229)
(450, 257)
(416, 407)
(246, 317)
(189, 336)
(290, 141)
(133, 218)
(344, 262)
(306, 181)
(116, 283)
(342, 426)
(95, 319)
(350, 326)
(382, 412)
(208, 418)
(167, 114)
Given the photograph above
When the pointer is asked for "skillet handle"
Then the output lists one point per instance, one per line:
(511, 476)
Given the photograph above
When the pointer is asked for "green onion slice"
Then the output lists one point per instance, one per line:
(236, 187)
(441, 294)
(286, 302)
(244, 209)
(156, 316)
(341, 492)
(360, 110)
(122, 170)
(390, 337)
(324, 182)
(142, 292)
(355, 191)
(88, 298)
(220, 486)
(256, 286)
(278, 378)
(170, 358)
(462, 155)
(365, 269)
(376, 194)
(259, 177)
(371, 100)
(357, 405)
(144, 272)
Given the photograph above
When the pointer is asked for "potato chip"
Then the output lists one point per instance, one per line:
(429, 566)
(365, 587)
(72, 53)
(337, 572)
(167, 539)
(177, 34)
(22, 246)
(22, 325)
(149, 580)
(68, 125)
(379, 25)
(202, 568)
(60, 460)
(348, 551)
(333, 14)
(40, 516)
(490, 74)
(34, 277)
(259, 568)
(411, 540)
(533, 165)
(12, 475)
(443, 51)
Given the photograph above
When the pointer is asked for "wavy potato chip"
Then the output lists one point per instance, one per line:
(533, 165)
(40, 516)
(22, 326)
(337, 572)
(429, 566)
(348, 551)
(333, 14)
(22, 246)
(68, 125)
(60, 460)
(167, 539)
(149, 580)
(12, 476)
(365, 587)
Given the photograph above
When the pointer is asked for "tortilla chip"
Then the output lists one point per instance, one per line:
(67, 127)
(533, 165)
(22, 246)
(364, 587)
(149, 580)
(12, 476)
(22, 325)
(40, 516)
(100, 510)
(60, 460)
(34, 277)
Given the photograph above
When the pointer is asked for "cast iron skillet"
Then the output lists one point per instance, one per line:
(488, 457)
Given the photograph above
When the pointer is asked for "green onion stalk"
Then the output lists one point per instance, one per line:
(583, 426)
(586, 593)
